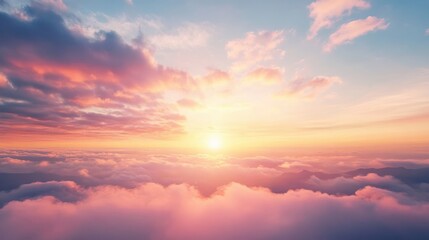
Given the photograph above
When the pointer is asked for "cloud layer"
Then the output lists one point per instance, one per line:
(132, 195)
(235, 212)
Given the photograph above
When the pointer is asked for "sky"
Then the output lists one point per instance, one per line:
(174, 75)
(139, 119)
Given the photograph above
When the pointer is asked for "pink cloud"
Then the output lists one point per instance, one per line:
(254, 48)
(266, 75)
(216, 77)
(351, 30)
(310, 88)
(57, 5)
(234, 212)
(325, 12)
(56, 81)
(3, 80)
(188, 103)
(14, 161)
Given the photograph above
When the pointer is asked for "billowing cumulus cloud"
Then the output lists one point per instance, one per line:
(254, 48)
(133, 195)
(59, 81)
(65, 191)
(351, 30)
(235, 212)
(325, 12)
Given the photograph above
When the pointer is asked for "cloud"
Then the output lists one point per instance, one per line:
(190, 35)
(254, 48)
(216, 77)
(351, 30)
(427, 31)
(9, 160)
(61, 81)
(188, 103)
(235, 212)
(344, 185)
(57, 5)
(325, 12)
(65, 191)
(280, 174)
(265, 75)
(127, 27)
(3, 80)
(310, 88)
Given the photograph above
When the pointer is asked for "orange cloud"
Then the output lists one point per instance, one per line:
(188, 103)
(217, 77)
(266, 75)
(3, 80)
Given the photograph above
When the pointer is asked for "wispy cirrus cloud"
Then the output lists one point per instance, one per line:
(354, 29)
(265, 75)
(216, 77)
(57, 5)
(127, 27)
(309, 88)
(188, 103)
(254, 48)
(189, 35)
(326, 12)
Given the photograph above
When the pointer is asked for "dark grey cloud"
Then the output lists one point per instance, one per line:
(65, 191)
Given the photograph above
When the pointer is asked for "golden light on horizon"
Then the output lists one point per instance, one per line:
(214, 142)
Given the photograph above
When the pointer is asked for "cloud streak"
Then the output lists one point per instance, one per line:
(310, 88)
(354, 29)
(254, 48)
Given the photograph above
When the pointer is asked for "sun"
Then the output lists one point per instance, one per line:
(214, 142)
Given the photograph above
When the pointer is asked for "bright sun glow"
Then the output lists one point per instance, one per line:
(214, 142)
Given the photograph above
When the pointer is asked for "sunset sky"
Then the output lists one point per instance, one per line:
(265, 75)
(126, 108)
